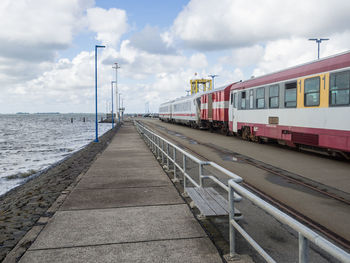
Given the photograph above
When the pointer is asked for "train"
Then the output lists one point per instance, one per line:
(303, 106)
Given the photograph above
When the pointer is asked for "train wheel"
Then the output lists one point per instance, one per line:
(246, 133)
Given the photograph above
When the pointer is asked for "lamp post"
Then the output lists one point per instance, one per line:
(119, 107)
(212, 78)
(96, 123)
(116, 86)
(122, 109)
(318, 41)
(112, 103)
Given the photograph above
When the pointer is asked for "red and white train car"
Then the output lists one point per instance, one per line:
(214, 108)
(304, 105)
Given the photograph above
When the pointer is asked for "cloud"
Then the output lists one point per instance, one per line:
(242, 57)
(109, 24)
(151, 40)
(207, 25)
(288, 52)
(35, 30)
(139, 64)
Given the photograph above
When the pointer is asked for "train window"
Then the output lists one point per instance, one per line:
(339, 88)
(312, 92)
(273, 96)
(251, 99)
(231, 98)
(243, 100)
(290, 96)
(260, 98)
(235, 100)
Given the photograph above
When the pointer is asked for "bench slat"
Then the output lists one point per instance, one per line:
(218, 198)
(212, 203)
(221, 200)
(200, 202)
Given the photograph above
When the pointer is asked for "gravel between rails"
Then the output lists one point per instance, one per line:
(21, 207)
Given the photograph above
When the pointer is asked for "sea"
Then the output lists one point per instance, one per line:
(31, 143)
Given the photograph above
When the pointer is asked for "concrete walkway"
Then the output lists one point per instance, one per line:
(124, 209)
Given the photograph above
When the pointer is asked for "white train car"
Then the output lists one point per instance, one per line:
(186, 110)
(165, 111)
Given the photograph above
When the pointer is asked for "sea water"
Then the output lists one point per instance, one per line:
(30, 143)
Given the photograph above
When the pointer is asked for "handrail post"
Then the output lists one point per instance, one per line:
(200, 174)
(167, 157)
(152, 144)
(231, 217)
(158, 145)
(184, 169)
(162, 152)
(303, 249)
(174, 162)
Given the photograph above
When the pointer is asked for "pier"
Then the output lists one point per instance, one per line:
(123, 209)
(128, 207)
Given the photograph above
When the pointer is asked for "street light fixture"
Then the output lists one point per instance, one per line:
(318, 41)
(212, 78)
(96, 123)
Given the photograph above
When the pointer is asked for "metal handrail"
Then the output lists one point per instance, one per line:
(305, 233)
(235, 194)
(230, 174)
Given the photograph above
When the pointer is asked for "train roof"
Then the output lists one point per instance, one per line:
(198, 94)
(322, 65)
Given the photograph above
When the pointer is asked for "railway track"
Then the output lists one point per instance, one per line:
(293, 178)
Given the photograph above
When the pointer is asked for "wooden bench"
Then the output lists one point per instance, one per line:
(210, 202)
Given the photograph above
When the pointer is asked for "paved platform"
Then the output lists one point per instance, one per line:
(124, 209)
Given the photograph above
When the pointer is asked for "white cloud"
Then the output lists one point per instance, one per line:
(283, 53)
(35, 30)
(139, 64)
(151, 40)
(207, 25)
(242, 57)
(198, 60)
(109, 24)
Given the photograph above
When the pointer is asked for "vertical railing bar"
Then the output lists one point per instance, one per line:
(231, 217)
(174, 156)
(167, 158)
(184, 170)
(303, 249)
(200, 175)
(162, 151)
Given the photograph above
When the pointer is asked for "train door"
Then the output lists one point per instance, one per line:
(233, 111)
(313, 92)
(170, 113)
(210, 107)
(198, 109)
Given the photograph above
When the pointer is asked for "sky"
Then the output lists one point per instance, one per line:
(47, 47)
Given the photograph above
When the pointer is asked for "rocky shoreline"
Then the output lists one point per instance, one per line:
(21, 207)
